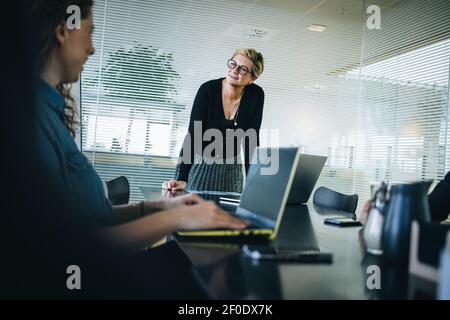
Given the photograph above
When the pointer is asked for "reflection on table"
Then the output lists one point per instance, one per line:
(228, 274)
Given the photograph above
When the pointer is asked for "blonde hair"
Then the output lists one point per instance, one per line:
(255, 56)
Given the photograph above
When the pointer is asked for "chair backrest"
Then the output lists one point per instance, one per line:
(326, 197)
(118, 190)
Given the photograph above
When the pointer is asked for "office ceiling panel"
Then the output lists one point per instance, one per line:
(339, 9)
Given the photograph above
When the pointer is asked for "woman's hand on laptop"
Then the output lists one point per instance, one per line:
(174, 185)
(178, 201)
(207, 215)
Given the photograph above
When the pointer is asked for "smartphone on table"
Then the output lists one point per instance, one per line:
(343, 222)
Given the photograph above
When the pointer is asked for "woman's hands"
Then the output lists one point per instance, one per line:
(195, 213)
(170, 200)
(178, 201)
(174, 185)
(206, 215)
(188, 212)
(191, 212)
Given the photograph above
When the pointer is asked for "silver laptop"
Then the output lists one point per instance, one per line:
(307, 173)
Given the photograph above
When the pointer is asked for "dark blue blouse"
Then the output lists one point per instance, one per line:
(75, 174)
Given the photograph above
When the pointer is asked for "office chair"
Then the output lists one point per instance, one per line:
(118, 190)
(328, 198)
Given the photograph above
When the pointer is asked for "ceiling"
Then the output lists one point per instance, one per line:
(339, 9)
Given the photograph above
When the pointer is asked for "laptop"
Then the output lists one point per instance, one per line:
(307, 173)
(264, 196)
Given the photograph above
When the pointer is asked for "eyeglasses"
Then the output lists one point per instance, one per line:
(243, 70)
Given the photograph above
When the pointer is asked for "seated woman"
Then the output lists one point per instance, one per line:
(226, 104)
(61, 52)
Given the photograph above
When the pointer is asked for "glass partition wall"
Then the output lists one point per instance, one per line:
(368, 91)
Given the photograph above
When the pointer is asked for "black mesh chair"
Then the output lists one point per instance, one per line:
(328, 198)
(118, 190)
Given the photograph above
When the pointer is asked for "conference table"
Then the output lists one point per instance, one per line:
(353, 274)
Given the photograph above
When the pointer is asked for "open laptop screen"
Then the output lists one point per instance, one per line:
(268, 183)
(307, 173)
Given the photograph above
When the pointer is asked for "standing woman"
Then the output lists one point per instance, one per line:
(229, 103)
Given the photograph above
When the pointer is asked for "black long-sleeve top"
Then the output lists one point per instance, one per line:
(439, 200)
(208, 109)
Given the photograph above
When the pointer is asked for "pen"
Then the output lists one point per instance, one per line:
(302, 257)
(298, 256)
